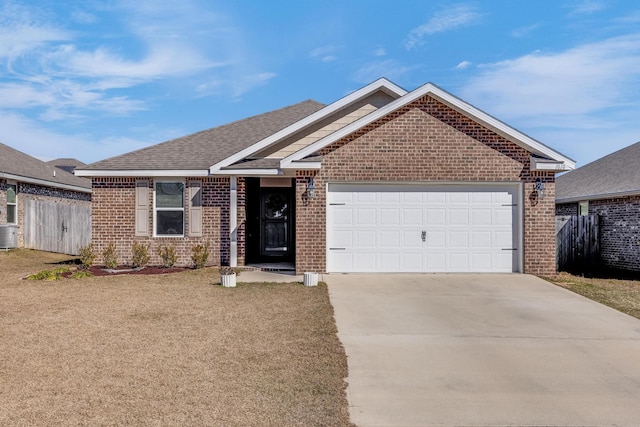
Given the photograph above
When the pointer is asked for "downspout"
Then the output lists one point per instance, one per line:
(233, 221)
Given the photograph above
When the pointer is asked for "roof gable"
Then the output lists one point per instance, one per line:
(614, 175)
(560, 162)
(22, 167)
(379, 85)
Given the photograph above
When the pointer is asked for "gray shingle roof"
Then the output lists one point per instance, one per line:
(67, 164)
(201, 150)
(14, 162)
(617, 173)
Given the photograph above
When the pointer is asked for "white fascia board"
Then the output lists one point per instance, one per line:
(139, 172)
(537, 164)
(45, 183)
(247, 172)
(304, 165)
(380, 84)
(457, 104)
(500, 127)
(599, 196)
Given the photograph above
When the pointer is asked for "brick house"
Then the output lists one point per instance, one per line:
(610, 188)
(382, 180)
(34, 199)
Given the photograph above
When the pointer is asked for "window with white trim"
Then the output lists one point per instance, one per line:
(12, 203)
(583, 208)
(168, 209)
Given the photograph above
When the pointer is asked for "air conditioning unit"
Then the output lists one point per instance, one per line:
(8, 236)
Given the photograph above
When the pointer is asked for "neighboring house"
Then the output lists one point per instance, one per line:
(40, 202)
(610, 188)
(382, 180)
(67, 164)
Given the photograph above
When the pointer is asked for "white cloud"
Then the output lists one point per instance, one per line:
(380, 52)
(30, 137)
(443, 20)
(525, 31)
(587, 6)
(182, 44)
(324, 53)
(388, 68)
(463, 65)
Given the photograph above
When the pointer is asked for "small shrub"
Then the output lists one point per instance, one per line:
(109, 256)
(226, 270)
(140, 255)
(87, 256)
(168, 255)
(81, 274)
(200, 255)
(49, 275)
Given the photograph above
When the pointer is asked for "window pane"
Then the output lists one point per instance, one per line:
(11, 214)
(169, 195)
(169, 222)
(11, 193)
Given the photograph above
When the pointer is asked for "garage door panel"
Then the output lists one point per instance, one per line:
(446, 228)
(481, 239)
(343, 239)
(458, 239)
(365, 239)
(436, 239)
(458, 262)
(412, 217)
(458, 216)
(389, 216)
(342, 217)
(390, 261)
(481, 216)
(390, 239)
(435, 216)
(366, 261)
(366, 216)
(412, 261)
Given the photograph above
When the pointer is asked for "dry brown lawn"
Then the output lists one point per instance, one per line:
(171, 349)
(623, 295)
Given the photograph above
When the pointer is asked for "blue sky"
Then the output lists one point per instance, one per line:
(93, 79)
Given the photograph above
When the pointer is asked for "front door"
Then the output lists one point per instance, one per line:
(275, 222)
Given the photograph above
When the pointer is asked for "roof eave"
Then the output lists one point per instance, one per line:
(601, 196)
(140, 172)
(45, 183)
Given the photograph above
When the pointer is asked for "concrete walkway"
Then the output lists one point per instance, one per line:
(483, 350)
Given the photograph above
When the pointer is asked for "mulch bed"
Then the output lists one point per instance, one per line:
(122, 270)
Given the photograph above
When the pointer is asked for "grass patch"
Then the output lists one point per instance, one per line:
(623, 295)
(49, 275)
(173, 349)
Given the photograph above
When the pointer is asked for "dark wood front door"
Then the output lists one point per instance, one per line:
(275, 223)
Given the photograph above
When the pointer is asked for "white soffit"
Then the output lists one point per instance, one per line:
(380, 84)
(448, 99)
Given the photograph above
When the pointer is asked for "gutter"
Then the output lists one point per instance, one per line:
(45, 183)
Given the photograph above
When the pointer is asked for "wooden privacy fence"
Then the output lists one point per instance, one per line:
(56, 227)
(578, 243)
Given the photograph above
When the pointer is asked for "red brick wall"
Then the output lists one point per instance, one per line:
(426, 141)
(113, 212)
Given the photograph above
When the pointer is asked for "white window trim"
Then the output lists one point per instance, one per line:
(183, 209)
(585, 204)
(15, 213)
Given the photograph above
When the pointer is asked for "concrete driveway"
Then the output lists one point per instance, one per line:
(483, 350)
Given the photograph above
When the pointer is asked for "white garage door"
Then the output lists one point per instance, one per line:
(419, 228)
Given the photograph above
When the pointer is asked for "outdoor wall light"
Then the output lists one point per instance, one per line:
(539, 187)
(311, 189)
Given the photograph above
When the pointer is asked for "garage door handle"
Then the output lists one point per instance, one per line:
(424, 236)
(337, 249)
(509, 249)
